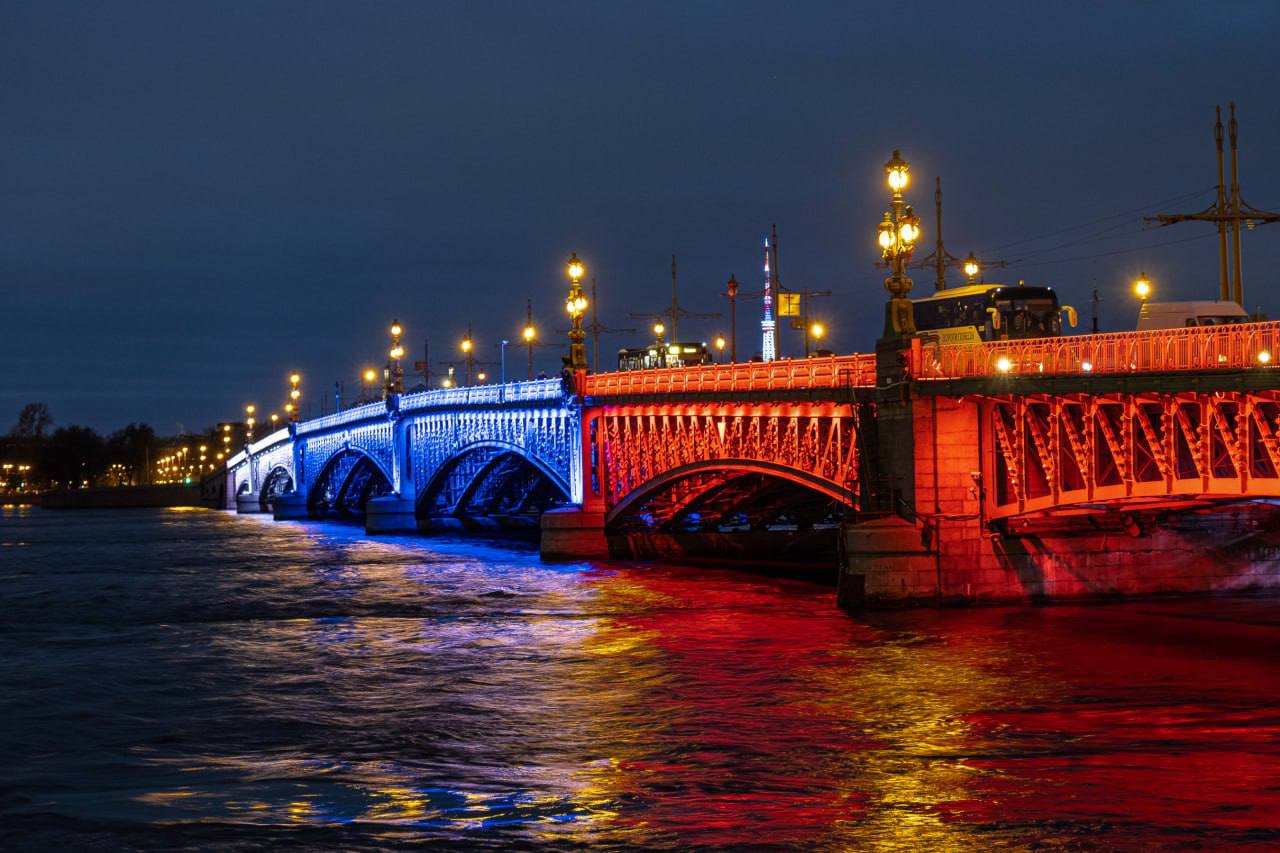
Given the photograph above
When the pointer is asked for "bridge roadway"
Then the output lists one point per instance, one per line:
(1086, 465)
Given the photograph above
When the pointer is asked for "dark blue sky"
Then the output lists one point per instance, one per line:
(197, 198)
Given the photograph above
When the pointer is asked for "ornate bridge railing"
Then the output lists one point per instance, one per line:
(537, 390)
(347, 416)
(842, 371)
(1247, 345)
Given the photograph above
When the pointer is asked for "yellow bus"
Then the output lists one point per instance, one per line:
(991, 312)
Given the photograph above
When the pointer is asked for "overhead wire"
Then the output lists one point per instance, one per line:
(1107, 233)
(1116, 251)
(1136, 210)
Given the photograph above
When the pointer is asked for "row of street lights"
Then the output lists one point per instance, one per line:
(184, 463)
(898, 233)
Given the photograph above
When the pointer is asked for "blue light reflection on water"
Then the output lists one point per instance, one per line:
(194, 679)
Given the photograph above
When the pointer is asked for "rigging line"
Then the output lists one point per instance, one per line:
(1115, 252)
(1104, 234)
(1135, 210)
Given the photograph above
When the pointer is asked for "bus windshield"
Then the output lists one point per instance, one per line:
(990, 312)
(1032, 317)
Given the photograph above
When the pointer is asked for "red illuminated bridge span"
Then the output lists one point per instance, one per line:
(1090, 423)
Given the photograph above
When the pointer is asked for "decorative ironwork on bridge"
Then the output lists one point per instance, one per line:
(1084, 452)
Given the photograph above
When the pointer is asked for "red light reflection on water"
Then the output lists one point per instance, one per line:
(775, 720)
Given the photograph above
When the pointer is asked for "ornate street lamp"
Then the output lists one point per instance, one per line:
(971, 268)
(897, 234)
(248, 421)
(576, 305)
(395, 376)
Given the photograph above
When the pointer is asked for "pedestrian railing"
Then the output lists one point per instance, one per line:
(347, 416)
(478, 395)
(839, 371)
(1247, 345)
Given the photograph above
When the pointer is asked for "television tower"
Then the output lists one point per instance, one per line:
(768, 326)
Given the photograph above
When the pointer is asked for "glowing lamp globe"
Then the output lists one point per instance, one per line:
(886, 233)
(909, 228)
(897, 172)
(1142, 287)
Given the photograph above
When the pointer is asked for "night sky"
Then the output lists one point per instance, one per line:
(196, 199)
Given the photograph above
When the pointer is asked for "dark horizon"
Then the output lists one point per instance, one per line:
(196, 201)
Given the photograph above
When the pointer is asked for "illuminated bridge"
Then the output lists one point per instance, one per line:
(1085, 465)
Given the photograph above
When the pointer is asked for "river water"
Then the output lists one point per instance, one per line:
(200, 680)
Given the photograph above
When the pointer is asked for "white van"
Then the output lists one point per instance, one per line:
(1177, 315)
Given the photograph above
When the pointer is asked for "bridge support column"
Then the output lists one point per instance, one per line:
(885, 560)
(574, 534)
(249, 502)
(948, 550)
(389, 514)
(577, 533)
(289, 507)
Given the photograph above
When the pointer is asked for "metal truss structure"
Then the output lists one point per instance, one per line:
(546, 436)
(491, 449)
(665, 463)
(1087, 452)
(489, 481)
(349, 479)
(248, 470)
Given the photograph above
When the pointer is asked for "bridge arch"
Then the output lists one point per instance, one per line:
(491, 477)
(277, 482)
(728, 491)
(348, 479)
